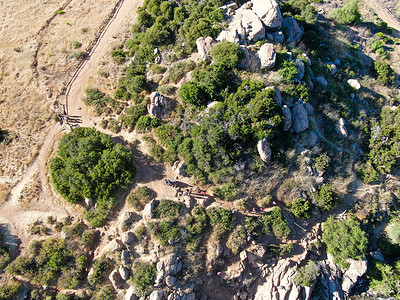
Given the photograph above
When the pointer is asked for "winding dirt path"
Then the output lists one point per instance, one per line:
(12, 213)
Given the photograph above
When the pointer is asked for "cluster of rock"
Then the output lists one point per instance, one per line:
(257, 20)
(158, 106)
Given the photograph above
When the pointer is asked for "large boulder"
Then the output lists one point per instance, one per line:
(179, 168)
(170, 281)
(249, 60)
(292, 29)
(269, 13)
(158, 106)
(299, 118)
(125, 259)
(287, 114)
(277, 96)
(128, 238)
(267, 56)
(300, 69)
(156, 295)
(229, 8)
(245, 26)
(124, 273)
(204, 47)
(149, 208)
(264, 150)
(321, 81)
(312, 139)
(354, 83)
(309, 108)
(115, 279)
(278, 36)
(356, 269)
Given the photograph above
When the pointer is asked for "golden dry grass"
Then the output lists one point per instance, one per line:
(25, 99)
(4, 192)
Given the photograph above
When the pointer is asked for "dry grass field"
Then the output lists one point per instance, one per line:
(45, 30)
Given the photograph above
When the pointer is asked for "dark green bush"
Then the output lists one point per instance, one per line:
(226, 53)
(348, 14)
(385, 72)
(325, 197)
(276, 223)
(301, 209)
(226, 192)
(168, 209)
(139, 197)
(344, 239)
(237, 239)
(308, 274)
(166, 231)
(99, 271)
(143, 278)
(221, 219)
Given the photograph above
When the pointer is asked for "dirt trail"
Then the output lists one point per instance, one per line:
(11, 212)
(386, 15)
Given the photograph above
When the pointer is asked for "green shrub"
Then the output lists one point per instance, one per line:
(105, 293)
(276, 223)
(166, 231)
(384, 279)
(196, 224)
(385, 72)
(226, 53)
(192, 93)
(221, 219)
(308, 274)
(348, 14)
(179, 69)
(142, 278)
(288, 71)
(10, 290)
(147, 122)
(118, 55)
(100, 268)
(139, 197)
(325, 197)
(301, 209)
(168, 209)
(237, 239)
(344, 239)
(76, 44)
(226, 192)
(322, 162)
(89, 165)
(393, 232)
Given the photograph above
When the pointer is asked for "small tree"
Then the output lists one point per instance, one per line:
(384, 71)
(307, 275)
(344, 239)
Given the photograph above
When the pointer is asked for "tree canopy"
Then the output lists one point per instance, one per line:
(89, 165)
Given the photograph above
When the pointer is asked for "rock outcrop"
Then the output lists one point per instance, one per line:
(147, 212)
(309, 108)
(124, 273)
(287, 114)
(158, 106)
(267, 56)
(354, 83)
(292, 29)
(269, 13)
(264, 150)
(300, 69)
(115, 279)
(321, 81)
(312, 139)
(204, 47)
(179, 168)
(277, 36)
(356, 269)
(156, 295)
(168, 265)
(245, 26)
(299, 118)
(125, 259)
(250, 60)
(130, 294)
(277, 96)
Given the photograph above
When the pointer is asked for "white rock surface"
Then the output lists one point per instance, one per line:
(354, 83)
(356, 269)
(264, 150)
(245, 26)
(130, 294)
(269, 13)
(204, 47)
(341, 129)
